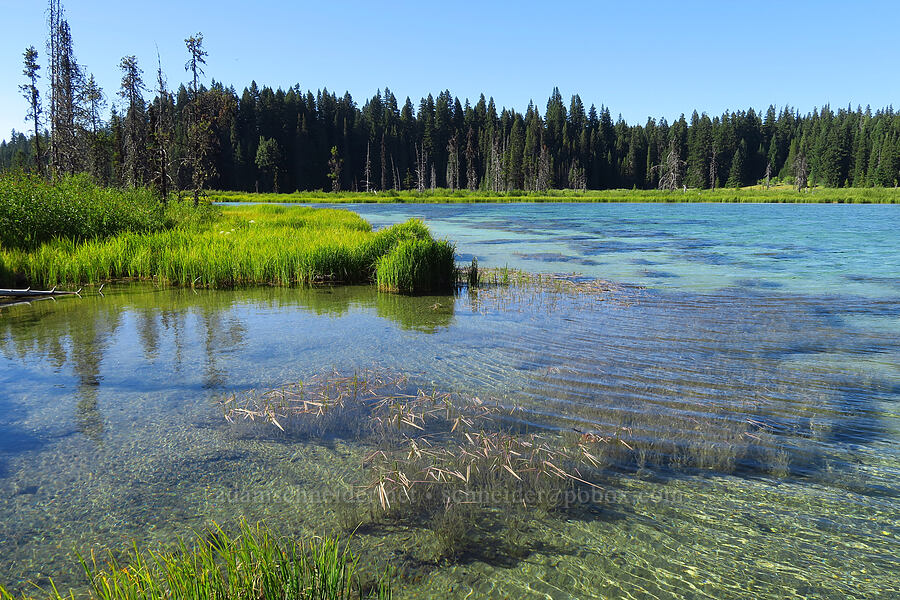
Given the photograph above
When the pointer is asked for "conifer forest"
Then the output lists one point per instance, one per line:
(190, 135)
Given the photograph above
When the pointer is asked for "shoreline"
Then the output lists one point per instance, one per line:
(718, 196)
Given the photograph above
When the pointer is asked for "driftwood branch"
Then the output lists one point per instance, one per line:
(30, 293)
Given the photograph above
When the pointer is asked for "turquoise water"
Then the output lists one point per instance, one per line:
(758, 390)
(850, 249)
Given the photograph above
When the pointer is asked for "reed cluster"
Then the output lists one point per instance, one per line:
(415, 266)
(254, 564)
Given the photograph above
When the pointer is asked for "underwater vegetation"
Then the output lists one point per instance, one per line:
(472, 470)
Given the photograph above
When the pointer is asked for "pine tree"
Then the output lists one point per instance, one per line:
(33, 97)
(162, 133)
(94, 101)
(335, 163)
(200, 140)
(269, 158)
(738, 164)
(471, 175)
(135, 142)
(65, 81)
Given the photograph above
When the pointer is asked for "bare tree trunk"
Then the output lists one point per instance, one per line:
(368, 169)
(421, 169)
(452, 164)
(383, 165)
(162, 133)
(496, 166)
(543, 174)
(394, 174)
(471, 175)
(670, 170)
(801, 172)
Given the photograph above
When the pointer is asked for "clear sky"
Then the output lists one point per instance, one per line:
(649, 58)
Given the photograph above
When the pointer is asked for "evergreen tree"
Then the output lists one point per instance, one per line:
(135, 141)
(737, 175)
(33, 97)
(268, 159)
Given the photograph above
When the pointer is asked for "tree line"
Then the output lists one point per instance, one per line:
(266, 139)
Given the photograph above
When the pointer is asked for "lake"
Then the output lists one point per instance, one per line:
(741, 369)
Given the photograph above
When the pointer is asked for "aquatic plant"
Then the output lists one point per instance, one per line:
(256, 245)
(254, 564)
(472, 274)
(417, 266)
(430, 448)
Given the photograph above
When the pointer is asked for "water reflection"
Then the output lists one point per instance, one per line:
(753, 409)
(167, 324)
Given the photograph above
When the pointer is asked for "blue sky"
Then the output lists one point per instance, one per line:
(639, 58)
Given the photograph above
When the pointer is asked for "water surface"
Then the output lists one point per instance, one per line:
(765, 385)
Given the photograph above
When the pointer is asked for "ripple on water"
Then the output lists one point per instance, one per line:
(118, 435)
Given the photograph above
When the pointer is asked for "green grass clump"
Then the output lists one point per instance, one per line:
(255, 564)
(229, 246)
(416, 266)
(754, 194)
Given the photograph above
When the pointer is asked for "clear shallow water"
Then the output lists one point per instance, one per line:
(851, 249)
(110, 431)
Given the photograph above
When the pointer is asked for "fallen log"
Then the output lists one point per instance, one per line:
(29, 293)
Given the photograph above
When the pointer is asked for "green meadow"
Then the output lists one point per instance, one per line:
(73, 233)
(758, 194)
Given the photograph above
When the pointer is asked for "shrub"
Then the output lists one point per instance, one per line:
(33, 211)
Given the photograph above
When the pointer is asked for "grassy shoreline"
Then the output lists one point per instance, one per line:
(45, 245)
(755, 194)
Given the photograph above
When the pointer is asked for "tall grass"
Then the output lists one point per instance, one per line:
(253, 245)
(253, 565)
(33, 211)
(415, 266)
(780, 194)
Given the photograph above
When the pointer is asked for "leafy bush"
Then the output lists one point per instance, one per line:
(33, 211)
